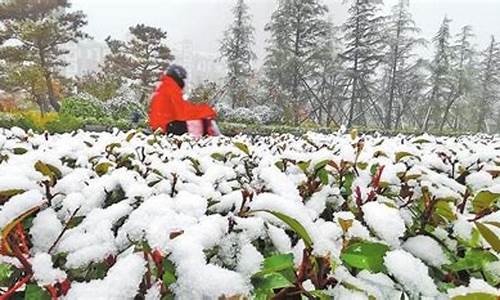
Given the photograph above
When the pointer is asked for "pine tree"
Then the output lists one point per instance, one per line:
(236, 51)
(141, 60)
(489, 83)
(412, 93)
(327, 83)
(399, 60)
(31, 80)
(463, 68)
(363, 55)
(441, 79)
(299, 30)
(35, 32)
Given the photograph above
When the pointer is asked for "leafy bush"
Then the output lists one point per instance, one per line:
(125, 104)
(83, 106)
(64, 123)
(35, 118)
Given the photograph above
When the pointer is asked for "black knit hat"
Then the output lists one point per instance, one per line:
(177, 71)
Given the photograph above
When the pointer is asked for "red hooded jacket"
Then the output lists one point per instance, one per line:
(168, 105)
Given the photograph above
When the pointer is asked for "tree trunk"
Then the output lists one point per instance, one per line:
(54, 102)
(394, 68)
(447, 112)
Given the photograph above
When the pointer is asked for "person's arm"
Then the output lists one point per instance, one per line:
(191, 111)
(159, 115)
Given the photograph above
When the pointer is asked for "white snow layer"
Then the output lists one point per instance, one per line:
(121, 282)
(385, 221)
(411, 272)
(427, 249)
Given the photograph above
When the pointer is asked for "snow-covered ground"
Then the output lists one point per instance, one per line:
(113, 215)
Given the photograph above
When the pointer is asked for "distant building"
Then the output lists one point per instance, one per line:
(86, 56)
(200, 65)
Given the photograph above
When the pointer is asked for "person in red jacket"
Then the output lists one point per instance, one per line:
(171, 113)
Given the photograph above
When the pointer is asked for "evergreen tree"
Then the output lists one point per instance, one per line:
(35, 32)
(299, 31)
(399, 59)
(463, 68)
(30, 79)
(140, 60)
(98, 84)
(236, 51)
(363, 54)
(328, 83)
(441, 79)
(489, 83)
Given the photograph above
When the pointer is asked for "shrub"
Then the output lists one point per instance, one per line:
(64, 123)
(261, 114)
(83, 106)
(125, 104)
(36, 118)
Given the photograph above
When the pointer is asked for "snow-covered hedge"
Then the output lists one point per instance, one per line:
(123, 215)
(122, 107)
(259, 114)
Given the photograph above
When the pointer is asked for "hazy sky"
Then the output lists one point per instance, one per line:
(201, 22)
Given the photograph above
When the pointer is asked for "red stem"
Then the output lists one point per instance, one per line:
(16, 286)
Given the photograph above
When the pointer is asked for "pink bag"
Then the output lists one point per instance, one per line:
(195, 128)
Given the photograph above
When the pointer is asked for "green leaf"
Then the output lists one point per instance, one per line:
(169, 276)
(7, 194)
(401, 155)
(354, 134)
(276, 263)
(130, 136)
(243, 148)
(474, 260)
(347, 184)
(5, 272)
(109, 148)
(496, 224)
(362, 165)
(475, 296)
(320, 295)
(321, 165)
(280, 165)
(48, 170)
(34, 292)
(365, 256)
(19, 151)
(304, 165)
(294, 225)
(102, 168)
(323, 176)
(421, 141)
(218, 156)
(443, 209)
(266, 284)
(484, 200)
(489, 236)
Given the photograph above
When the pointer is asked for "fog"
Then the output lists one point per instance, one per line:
(195, 27)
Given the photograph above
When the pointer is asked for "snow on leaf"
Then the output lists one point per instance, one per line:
(294, 225)
(489, 236)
